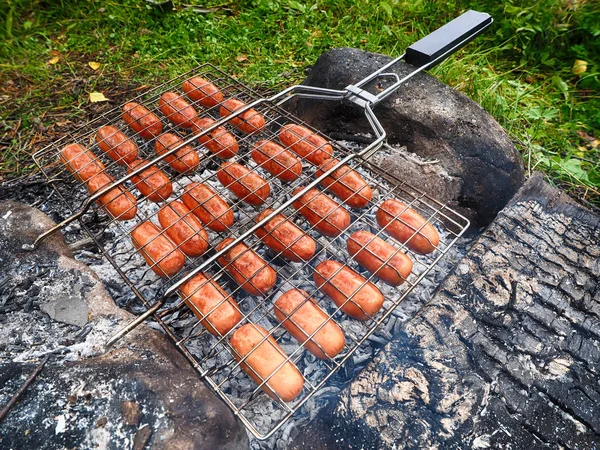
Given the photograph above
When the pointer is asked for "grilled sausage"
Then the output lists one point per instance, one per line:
(177, 110)
(305, 143)
(324, 214)
(208, 206)
(116, 145)
(247, 268)
(263, 360)
(118, 201)
(80, 161)
(151, 182)
(380, 258)
(283, 236)
(300, 315)
(142, 121)
(183, 228)
(346, 184)
(160, 253)
(219, 141)
(215, 308)
(340, 283)
(248, 122)
(184, 160)
(202, 91)
(276, 160)
(246, 184)
(402, 223)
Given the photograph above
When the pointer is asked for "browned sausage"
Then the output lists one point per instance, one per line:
(118, 201)
(246, 184)
(216, 309)
(372, 253)
(323, 213)
(248, 122)
(157, 249)
(276, 160)
(208, 206)
(305, 143)
(247, 268)
(183, 228)
(151, 182)
(263, 360)
(116, 145)
(142, 121)
(177, 110)
(283, 236)
(346, 184)
(219, 141)
(202, 91)
(80, 161)
(301, 316)
(403, 222)
(183, 160)
(365, 298)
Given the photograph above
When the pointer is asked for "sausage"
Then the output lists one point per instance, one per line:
(247, 268)
(263, 361)
(208, 206)
(300, 315)
(118, 201)
(323, 213)
(202, 91)
(283, 236)
(177, 110)
(184, 160)
(248, 122)
(402, 223)
(380, 258)
(346, 184)
(217, 310)
(366, 298)
(276, 160)
(80, 161)
(116, 145)
(183, 228)
(219, 141)
(142, 121)
(305, 143)
(160, 253)
(246, 184)
(151, 182)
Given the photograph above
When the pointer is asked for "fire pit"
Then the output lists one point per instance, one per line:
(216, 360)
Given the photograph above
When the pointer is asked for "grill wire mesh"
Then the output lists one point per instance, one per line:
(212, 356)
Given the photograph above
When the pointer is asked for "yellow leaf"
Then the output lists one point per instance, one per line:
(96, 97)
(579, 66)
(94, 65)
(241, 58)
(595, 143)
(54, 60)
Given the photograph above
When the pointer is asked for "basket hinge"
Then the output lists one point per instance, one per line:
(361, 97)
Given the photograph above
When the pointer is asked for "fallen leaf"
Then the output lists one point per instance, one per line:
(241, 58)
(54, 60)
(579, 66)
(96, 97)
(94, 65)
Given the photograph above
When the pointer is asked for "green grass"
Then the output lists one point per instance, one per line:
(520, 70)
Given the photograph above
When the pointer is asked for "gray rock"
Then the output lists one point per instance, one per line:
(501, 357)
(478, 168)
(68, 308)
(77, 400)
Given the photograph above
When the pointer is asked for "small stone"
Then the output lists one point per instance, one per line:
(141, 437)
(131, 412)
(101, 422)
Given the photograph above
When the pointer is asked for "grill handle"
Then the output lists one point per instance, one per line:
(436, 46)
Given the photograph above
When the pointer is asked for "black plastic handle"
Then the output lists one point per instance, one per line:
(452, 36)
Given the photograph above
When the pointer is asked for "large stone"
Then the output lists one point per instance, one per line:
(478, 169)
(506, 355)
(77, 400)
